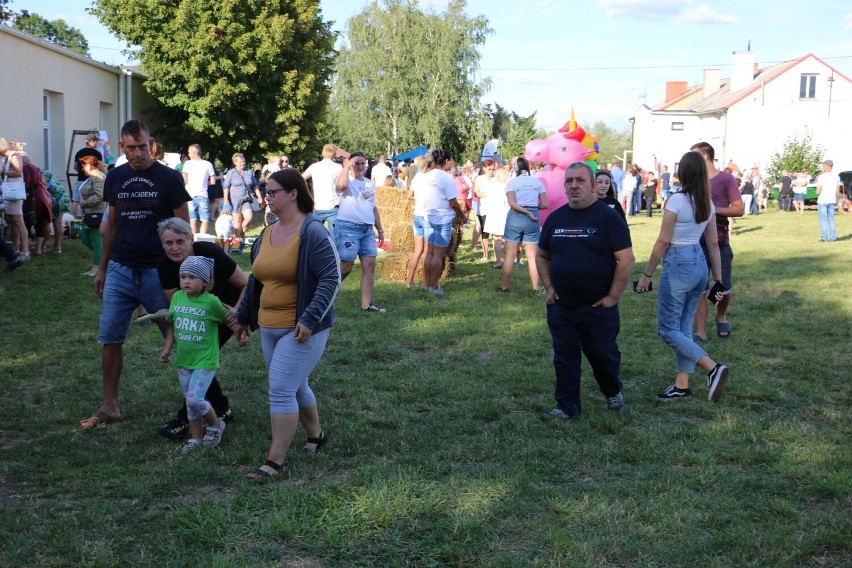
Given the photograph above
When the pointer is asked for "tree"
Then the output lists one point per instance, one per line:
(613, 143)
(232, 75)
(408, 77)
(521, 131)
(797, 154)
(57, 31)
(5, 13)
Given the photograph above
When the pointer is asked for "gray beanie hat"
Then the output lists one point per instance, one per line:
(199, 266)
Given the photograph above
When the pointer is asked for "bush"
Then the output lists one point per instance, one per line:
(797, 154)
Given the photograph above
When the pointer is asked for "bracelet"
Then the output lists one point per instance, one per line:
(647, 275)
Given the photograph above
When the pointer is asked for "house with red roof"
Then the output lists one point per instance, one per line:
(748, 116)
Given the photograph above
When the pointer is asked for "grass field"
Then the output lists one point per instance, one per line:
(437, 455)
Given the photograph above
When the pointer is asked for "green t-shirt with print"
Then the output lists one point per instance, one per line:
(196, 326)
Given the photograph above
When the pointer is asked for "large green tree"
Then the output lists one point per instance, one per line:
(798, 153)
(408, 76)
(613, 143)
(55, 31)
(232, 75)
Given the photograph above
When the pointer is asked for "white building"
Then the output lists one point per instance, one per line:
(47, 92)
(748, 116)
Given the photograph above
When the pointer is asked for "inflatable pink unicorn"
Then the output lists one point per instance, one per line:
(558, 151)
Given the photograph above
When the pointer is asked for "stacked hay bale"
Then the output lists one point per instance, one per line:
(397, 212)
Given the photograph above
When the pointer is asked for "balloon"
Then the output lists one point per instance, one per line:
(559, 152)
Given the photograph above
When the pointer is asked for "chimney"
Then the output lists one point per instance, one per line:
(712, 80)
(742, 70)
(674, 89)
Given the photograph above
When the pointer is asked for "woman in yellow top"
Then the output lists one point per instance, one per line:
(290, 297)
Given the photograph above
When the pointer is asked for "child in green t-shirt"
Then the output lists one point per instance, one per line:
(194, 315)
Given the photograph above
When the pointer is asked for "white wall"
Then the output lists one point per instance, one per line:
(84, 95)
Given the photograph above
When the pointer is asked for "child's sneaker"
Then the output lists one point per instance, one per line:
(192, 444)
(213, 434)
(674, 393)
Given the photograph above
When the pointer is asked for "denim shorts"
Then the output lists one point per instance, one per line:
(520, 228)
(354, 240)
(438, 234)
(799, 197)
(200, 205)
(126, 288)
(727, 257)
(419, 226)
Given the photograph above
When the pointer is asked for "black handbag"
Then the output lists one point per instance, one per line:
(93, 220)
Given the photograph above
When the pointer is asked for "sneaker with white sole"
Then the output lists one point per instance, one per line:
(373, 310)
(213, 435)
(716, 380)
(615, 403)
(192, 444)
(674, 393)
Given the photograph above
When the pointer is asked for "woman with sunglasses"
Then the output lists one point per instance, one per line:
(290, 297)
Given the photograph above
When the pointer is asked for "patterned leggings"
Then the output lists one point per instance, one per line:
(195, 383)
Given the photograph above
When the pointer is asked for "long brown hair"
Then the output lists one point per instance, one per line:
(692, 173)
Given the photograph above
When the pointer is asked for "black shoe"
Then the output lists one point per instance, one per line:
(15, 264)
(174, 430)
(227, 416)
(674, 393)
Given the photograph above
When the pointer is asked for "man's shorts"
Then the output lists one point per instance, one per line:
(419, 226)
(354, 240)
(126, 288)
(201, 206)
(438, 234)
(727, 257)
(520, 228)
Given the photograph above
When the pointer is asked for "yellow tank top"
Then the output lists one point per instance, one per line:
(277, 268)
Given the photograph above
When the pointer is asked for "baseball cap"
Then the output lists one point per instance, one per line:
(92, 136)
(228, 208)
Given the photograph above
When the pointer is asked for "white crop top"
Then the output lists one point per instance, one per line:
(686, 230)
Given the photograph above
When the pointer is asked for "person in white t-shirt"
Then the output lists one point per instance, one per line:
(687, 215)
(380, 172)
(356, 217)
(198, 175)
(826, 188)
(323, 176)
(436, 197)
(525, 195)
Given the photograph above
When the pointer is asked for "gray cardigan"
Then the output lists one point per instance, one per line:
(319, 277)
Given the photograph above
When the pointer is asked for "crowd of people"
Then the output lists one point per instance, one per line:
(142, 222)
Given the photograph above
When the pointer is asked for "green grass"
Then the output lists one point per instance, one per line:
(437, 456)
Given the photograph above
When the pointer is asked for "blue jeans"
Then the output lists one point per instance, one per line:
(329, 215)
(682, 284)
(521, 229)
(125, 288)
(354, 240)
(827, 228)
(594, 331)
(200, 207)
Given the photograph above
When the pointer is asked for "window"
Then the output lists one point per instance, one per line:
(45, 112)
(677, 126)
(807, 86)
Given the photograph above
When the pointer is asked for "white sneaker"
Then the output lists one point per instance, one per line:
(213, 435)
(192, 444)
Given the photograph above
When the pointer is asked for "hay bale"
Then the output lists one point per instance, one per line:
(401, 238)
(395, 267)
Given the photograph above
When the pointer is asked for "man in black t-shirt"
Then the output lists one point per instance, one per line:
(584, 259)
(140, 194)
(229, 283)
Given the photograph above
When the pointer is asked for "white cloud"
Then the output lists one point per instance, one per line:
(706, 15)
(847, 21)
(641, 9)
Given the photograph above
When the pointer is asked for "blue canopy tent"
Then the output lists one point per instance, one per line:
(411, 154)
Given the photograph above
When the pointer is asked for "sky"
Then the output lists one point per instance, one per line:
(603, 58)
